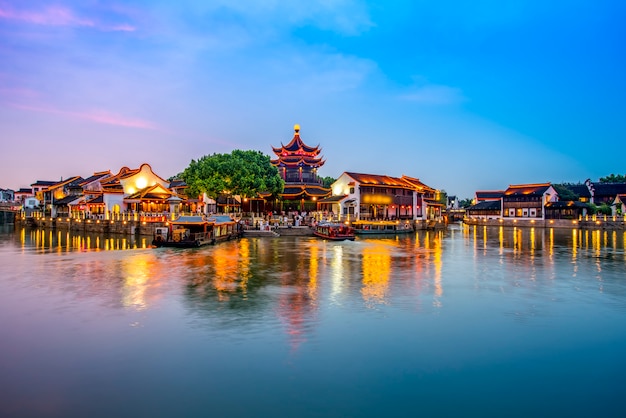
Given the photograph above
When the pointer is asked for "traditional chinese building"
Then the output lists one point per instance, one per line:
(297, 164)
(362, 196)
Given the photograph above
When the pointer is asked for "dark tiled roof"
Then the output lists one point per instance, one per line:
(96, 176)
(65, 182)
(296, 144)
(96, 200)
(177, 183)
(566, 204)
(489, 194)
(296, 191)
(580, 189)
(333, 199)
(66, 200)
(527, 189)
(150, 193)
(298, 160)
(380, 180)
(485, 205)
(43, 183)
(608, 189)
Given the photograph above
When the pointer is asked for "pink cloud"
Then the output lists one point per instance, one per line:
(59, 16)
(98, 116)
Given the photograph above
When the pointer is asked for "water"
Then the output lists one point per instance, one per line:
(473, 321)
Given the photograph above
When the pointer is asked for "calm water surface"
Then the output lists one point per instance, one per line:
(472, 321)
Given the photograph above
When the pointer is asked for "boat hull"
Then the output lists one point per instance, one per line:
(334, 232)
(334, 237)
(381, 228)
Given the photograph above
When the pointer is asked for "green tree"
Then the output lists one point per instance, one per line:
(613, 179)
(605, 209)
(565, 193)
(327, 181)
(244, 173)
(442, 196)
(465, 203)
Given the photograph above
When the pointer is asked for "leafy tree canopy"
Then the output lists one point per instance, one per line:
(565, 193)
(327, 181)
(465, 203)
(244, 173)
(613, 179)
(603, 209)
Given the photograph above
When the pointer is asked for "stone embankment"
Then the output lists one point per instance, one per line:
(609, 222)
(137, 227)
(97, 226)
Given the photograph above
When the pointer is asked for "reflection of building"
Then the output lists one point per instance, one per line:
(297, 164)
(372, 196)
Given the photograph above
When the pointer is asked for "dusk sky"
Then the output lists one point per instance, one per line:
(464, 95)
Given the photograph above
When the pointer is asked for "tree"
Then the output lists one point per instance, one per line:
(605, 209)
(465, 203)
(243, 173)
(442, 197)
(327, 181)
(564, 192)
(613, 179)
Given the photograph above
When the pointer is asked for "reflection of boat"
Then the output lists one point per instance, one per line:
(195, 231)
(382, 227)
(334, 231)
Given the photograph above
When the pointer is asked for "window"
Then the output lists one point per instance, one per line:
(351, 190)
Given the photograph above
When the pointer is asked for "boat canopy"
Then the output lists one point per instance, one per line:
(221, 219)
(191, 220)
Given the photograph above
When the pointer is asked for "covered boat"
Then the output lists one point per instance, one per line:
(224, 227)
(185, 231)
(334, 231)
(382, 227)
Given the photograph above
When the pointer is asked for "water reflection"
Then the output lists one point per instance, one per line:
(472, 310)
(376, 269)
(56, 240)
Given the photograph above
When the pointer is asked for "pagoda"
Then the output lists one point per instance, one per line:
(297, 164)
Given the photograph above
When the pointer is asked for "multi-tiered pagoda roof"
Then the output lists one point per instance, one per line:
(298, 164)
(297, 154)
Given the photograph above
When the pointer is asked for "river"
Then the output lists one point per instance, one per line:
(471, 321)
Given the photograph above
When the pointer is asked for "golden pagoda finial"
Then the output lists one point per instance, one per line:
(296, 128)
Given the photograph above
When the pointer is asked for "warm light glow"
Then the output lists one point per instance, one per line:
(141, 183)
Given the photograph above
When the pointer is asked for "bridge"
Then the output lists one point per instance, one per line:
(8, 211)
(13, 207)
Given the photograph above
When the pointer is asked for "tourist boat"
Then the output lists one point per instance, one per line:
(334, 231)
(225, 227)
(195, 231)
(382, 227)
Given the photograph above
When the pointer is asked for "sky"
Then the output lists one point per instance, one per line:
(463, 95)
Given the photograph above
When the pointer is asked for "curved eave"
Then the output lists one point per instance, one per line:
(296, 144)
(298, 162)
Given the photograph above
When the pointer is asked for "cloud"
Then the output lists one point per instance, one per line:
(59, 16)
(98, 116)
(435, 94)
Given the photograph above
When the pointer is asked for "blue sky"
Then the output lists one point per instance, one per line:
(463, 95)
